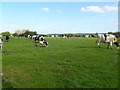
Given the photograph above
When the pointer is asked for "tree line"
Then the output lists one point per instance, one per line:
(117, 34)
(20, 33)
(25, 33)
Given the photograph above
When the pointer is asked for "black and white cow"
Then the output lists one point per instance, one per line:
(29, 37)
(1, 41)
(107, 38)
(7, 38)
(33, 37)
(41, 40)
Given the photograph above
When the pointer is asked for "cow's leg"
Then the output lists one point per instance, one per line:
(7, 40)
(111, 45)
(0, 46)
(108, 45)
(98, 44)
(35, 44)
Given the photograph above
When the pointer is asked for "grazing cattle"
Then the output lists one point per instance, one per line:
(41, 40)
(66, 36)
(33, 37)
(7, 38)
(1, 41)
(29, 37)
(107, 38)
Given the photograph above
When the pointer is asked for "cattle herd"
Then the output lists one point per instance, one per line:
(101, 38)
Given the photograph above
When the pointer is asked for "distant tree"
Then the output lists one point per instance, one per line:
(24, 33)
(18, 32)
(15, 34)
(117, 34)
(29, 33)
(35, 33)
(110, 32)
(6, 33)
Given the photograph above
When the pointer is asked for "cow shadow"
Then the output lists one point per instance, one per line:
(84, 47)
(94, 47)
(39, 45)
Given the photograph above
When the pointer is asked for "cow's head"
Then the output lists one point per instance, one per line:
(117, 44)
(46, 44)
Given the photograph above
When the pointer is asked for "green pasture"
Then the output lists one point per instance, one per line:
(66, 63)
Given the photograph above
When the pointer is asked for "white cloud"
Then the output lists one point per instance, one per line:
(46, 9)
(109, 8)
(92, 9)
(97, 9)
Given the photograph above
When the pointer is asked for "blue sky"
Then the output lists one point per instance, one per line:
(60, 17)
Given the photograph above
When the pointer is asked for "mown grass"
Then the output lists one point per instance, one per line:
(65, 63)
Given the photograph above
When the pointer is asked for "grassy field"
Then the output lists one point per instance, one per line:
(65, 63)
